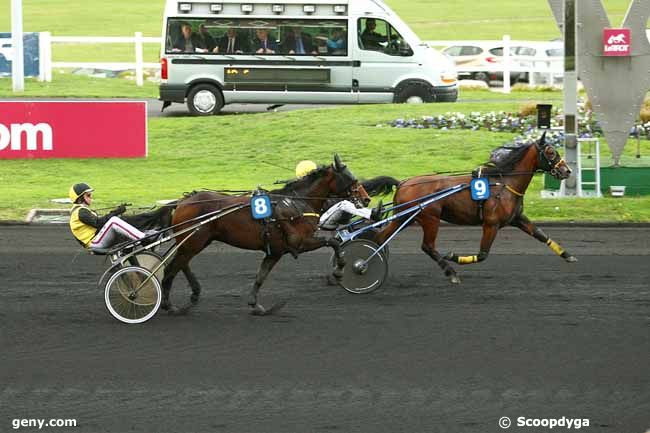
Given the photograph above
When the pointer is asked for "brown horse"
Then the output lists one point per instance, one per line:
(290, 229)
(509, 171)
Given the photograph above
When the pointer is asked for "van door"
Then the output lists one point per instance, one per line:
(383, 58)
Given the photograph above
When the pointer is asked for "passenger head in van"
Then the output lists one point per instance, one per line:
(189, 42)
(231, 43)
(336, 43)
(264, 44)
(208, 40)
(297, 42)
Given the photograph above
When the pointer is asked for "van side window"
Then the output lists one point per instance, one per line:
(379, 35)
(250, 36)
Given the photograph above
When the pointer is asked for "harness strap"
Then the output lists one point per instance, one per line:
(514, 191)
(311, 214)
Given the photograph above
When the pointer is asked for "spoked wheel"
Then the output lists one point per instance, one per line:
(361, 276)
(150, 261)
(132, 294)
(146, 259)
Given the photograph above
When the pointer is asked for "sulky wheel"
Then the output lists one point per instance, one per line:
(369, 235)
(360, 277)
(132, 295)
(146, 259)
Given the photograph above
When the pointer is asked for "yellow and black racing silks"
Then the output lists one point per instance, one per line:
(85, 223)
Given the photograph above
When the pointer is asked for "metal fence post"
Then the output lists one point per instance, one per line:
(139, 73)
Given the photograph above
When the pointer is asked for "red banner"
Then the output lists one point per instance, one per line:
(616, 42)
(73, 129)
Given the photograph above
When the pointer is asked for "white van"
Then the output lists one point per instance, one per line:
(296, 51)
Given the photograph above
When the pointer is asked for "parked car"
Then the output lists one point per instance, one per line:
(479, 56)
(526, 56)
(470, 55)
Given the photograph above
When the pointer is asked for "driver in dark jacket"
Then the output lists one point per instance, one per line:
(93, 231)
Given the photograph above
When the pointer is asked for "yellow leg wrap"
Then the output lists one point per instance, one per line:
(557, 249)
(465, 260)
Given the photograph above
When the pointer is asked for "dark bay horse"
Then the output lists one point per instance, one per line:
(509, 171)
(290, 230)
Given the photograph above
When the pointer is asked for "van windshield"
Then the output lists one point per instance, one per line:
(233, 36)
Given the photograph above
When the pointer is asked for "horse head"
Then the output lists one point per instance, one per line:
(345, 184)
(550, 161)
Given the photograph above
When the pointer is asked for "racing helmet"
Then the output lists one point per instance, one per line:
(305, 167)
(77, 190)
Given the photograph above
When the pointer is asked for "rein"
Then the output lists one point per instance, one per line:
(501, 174)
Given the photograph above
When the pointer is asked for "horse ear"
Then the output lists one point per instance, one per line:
(338, 165)
(542, 140)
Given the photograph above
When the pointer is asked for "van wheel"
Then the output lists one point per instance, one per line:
(204, 100)
(414, 93)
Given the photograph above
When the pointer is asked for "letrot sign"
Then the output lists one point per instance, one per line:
(73, 129)
(616, 42)
(616, 86)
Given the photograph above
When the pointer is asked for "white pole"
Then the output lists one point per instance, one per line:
(506, 63)
(531, 75)
(41, 57)
(46, 55)
(17, 66)
(138, 59)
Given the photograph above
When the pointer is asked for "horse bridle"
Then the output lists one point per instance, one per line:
(347, 186)
(547, 164)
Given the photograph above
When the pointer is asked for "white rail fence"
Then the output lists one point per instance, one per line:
(535, 66)
(138, 41)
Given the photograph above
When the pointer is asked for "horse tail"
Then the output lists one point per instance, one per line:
(380, 185)
(155, 220)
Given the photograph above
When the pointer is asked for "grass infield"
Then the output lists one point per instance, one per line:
(243, 151)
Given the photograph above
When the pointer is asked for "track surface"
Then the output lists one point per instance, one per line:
(525, 334)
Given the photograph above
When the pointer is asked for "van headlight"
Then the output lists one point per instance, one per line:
(449, 77)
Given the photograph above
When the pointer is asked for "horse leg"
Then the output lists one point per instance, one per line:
(430, 229)
(314, 243)
(170, 273)
(194, 284)
(522, 222)
(178, 263)
(489, 233)
(265, 268)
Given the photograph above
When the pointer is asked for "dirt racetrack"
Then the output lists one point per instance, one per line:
(524, 335)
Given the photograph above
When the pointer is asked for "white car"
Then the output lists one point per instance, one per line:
(542, 56)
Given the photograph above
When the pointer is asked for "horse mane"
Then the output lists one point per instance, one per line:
(301, 182)
(503, 158)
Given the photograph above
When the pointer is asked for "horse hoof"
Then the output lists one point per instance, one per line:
(571, 259)
(454, 279)
(172, 310)
(258, 310)
(331, 281)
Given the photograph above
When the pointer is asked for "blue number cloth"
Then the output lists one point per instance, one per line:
(261, 206)
(480, 188)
